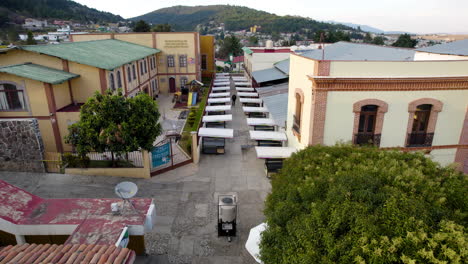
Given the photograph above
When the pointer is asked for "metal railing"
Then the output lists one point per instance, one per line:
(367, 139)
(419, 139)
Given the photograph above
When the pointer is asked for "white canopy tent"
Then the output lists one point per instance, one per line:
(245, 89)
(274, 152)
(250, 109)
(268, 135)
(216, 132)
(221, 88)
(226, 94)
(217, 118)
(219, 100)
(253, 241)
(246, 94)
(221, 83)
(217, 108)
(260, 122)
(250, 100)
(242, 83)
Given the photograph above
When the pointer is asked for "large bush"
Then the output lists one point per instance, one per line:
(346, 204)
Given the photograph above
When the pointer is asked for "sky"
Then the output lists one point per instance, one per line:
(416, 16)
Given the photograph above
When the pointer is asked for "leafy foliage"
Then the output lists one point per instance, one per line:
(331, 36)
(230, 45)
(58, 9)
(234, 18)
(114, 123)
(162, 28)
(30, 40)
(405, 41)
(141, 26)
(346, 204)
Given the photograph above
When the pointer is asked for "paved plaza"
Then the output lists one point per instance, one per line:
(185, 198)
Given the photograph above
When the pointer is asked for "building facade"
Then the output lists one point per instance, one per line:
(404, 104)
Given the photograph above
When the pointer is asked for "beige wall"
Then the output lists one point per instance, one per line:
(85, 85)
(89, 37)
(418, 56)
(64, 120)
(62, 95)
(21, 56)
(388, 68)
(300, 68)
(47, 133)
(144, 39)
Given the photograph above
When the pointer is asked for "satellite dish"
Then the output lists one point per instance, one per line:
(126, 190)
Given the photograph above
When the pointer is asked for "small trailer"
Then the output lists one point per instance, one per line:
(274, 157)
(214, 139)
(216, 121)
(256, 112)
(262, 124)
(268, 138)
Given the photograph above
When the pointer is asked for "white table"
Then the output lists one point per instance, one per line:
(242, 83)
(219, 94)
(245, 89)
(221, 88)
(250, 109)
(217, 118)
(268, 135)
(274, 152)
(216, 132)
(221, 83)
(250, 100)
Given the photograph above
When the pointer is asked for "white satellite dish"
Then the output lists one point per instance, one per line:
(126, 190)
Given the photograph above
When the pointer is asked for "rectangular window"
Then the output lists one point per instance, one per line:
(134, 71)
(11, 98)
(141, 68)
(183, 60)
(183, 81)
(170, 61)
(204, 61)
(146, 67)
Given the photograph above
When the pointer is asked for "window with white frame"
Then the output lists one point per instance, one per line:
(183, 60)
(170, 61)
(11, 97)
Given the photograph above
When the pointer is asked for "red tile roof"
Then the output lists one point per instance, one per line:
(238, 59)
(66, 254)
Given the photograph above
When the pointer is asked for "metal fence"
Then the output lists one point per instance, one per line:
(135, 157)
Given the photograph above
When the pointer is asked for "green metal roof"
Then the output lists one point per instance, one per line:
(38, 73)
(247, 50)
(105, 54)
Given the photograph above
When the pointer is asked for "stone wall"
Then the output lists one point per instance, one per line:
(21, 147)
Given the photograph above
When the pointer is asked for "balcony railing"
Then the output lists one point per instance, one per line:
(420, 139)
(367, 139)
(296, 125)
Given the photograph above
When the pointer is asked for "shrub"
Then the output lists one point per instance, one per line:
(346, 204)
(191, 117)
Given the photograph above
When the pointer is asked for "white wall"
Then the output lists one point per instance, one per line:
(419, 55)
(262, 61)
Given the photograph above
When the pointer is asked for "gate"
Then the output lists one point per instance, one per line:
(167, 155)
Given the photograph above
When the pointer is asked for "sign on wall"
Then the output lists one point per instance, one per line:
(161, 155)
(176, 44)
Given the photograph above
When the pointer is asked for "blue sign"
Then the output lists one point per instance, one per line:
(161, 155)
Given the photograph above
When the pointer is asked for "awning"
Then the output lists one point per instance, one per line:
(245, 89)
(250, 100)
(267, 75)
(219, 100)
(216, 132)
(245, 94)
(274, 152)
(217, 108)
(249, 109)
(268, 135)
(261, 122)
(219, 94)
(217, 118)
(221, 83)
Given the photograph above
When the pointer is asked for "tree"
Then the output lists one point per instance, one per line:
(162, 28)
(275, 36)
(348, 204)
(12, 35)
(30, 40)
(141, 26)
(405, 41)
(253, 41)
(230, 45)
(379, 40)
(112, 122)
(368, 38)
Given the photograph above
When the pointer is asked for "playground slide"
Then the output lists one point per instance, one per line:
(189, 101)
(194, 98)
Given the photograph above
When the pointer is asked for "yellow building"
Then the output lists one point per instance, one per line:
(51, 82)
(379, 95)
(184, 56)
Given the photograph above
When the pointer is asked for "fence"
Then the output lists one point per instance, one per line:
(135, 157)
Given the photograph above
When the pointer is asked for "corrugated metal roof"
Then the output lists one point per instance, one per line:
(267, 75)
(247, 50)
(39, 73)
(283, 66)
(105, 54)
(361, 52)
(452, 48)
(275, 98)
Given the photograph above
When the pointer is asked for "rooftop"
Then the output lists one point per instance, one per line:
(38, 73)
(452, 48)
(104, 54)
(348, 51)
(77, 253)
(266, 75)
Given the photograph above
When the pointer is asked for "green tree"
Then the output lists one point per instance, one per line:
(368, 38)
(230, 45)
(141, 26)
(253, 41)
(30, 40)
(162, 28)
(275, 36)
(112, 122)
(379, 40)
(405, 41)
(348, 204)
(12, 35)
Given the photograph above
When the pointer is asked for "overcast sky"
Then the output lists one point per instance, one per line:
(418, 16)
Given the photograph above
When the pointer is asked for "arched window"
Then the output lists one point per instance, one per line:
(422, 121)
(112, 81)
(146, 67)
(11, 97)
(141, 68)
(368, 121)
(297, 117)
(119, 80)
(133, 71)
(129, 74)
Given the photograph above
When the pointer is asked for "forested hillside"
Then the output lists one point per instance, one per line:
(234, 18)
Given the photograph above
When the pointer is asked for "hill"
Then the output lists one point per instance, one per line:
(234, 18)
(14, 10)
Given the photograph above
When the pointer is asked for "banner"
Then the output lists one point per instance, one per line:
(161, 155)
